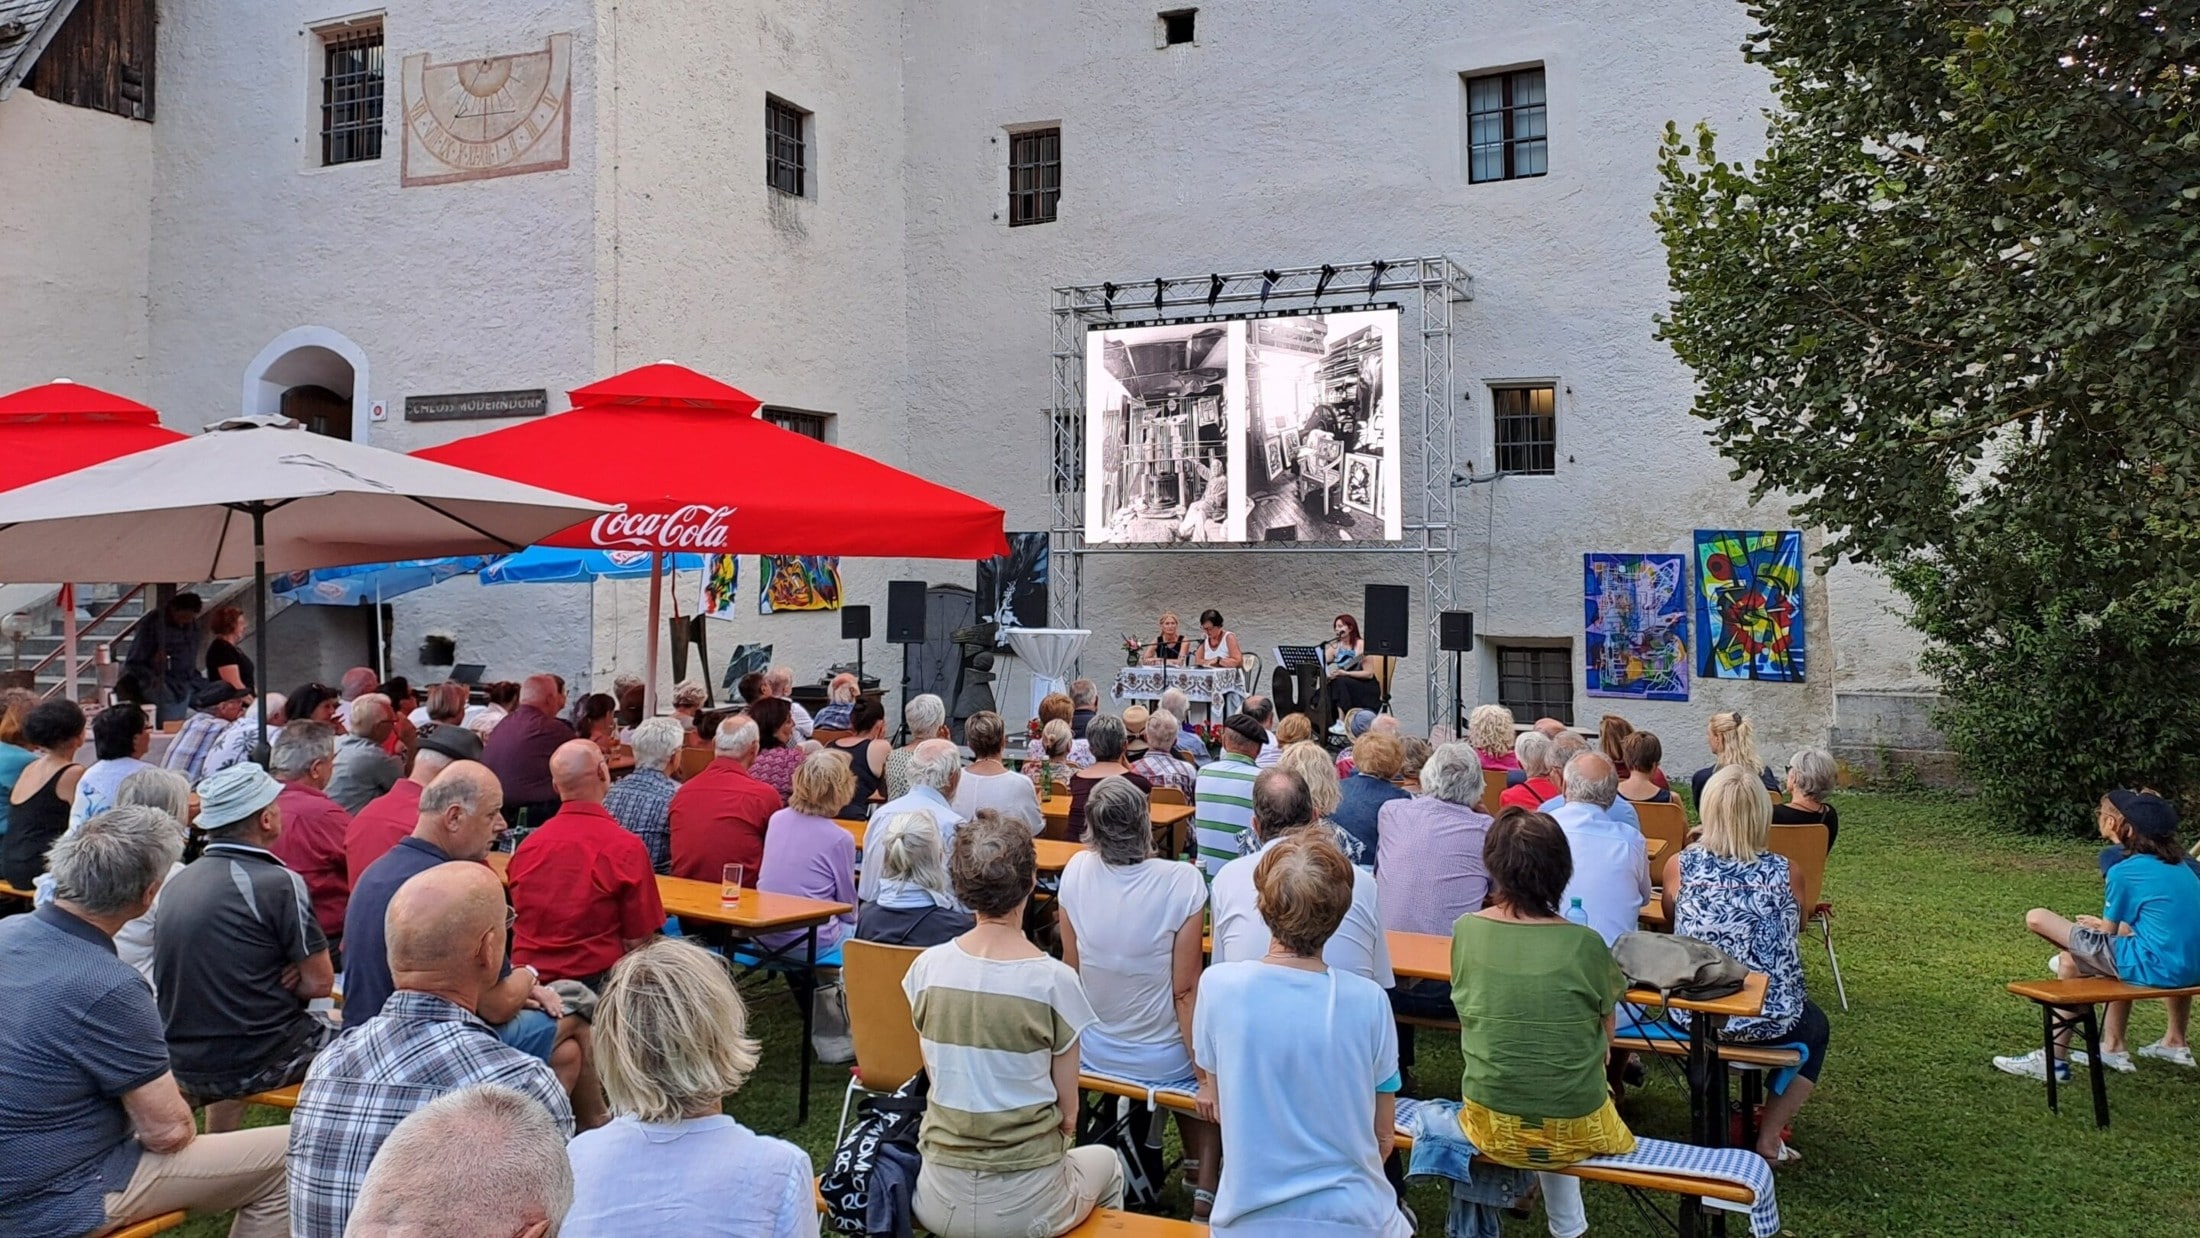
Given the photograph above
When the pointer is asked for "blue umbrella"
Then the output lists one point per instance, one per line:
(371, 582)
(552, 565)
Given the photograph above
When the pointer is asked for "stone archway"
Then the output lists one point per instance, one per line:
(314, 376)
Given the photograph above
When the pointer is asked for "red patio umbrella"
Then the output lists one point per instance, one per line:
(693, 469)
(60, 427)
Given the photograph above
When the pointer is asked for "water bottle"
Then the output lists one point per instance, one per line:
(1576, 913)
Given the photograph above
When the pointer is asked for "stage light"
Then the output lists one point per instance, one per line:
(1214, 290)
(1107, 299)
(1268, 280)
(1160, 289)
(1377, 281)
(1328, 273)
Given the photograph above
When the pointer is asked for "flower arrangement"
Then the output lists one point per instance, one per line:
(1131, 648)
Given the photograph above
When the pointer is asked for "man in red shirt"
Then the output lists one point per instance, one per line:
(393, 814)
(582, 886)
(518, 750)
(1540, 761)
(312, 842)
(718, 816)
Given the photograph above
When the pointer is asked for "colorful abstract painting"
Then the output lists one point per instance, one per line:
(721, 586)
(1749, 605)
(797, 582)
(1635, 611)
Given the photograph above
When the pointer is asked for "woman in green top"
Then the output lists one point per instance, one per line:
(1535, 996)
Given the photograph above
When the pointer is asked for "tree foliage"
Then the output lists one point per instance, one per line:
(1954, 311)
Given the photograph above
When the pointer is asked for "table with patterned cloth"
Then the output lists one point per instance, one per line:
(1211, 684)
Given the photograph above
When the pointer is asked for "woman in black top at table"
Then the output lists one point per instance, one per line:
(1167, 648)
(224, 660)
(866, 752)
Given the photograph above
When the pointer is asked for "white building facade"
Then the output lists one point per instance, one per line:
(560, 189)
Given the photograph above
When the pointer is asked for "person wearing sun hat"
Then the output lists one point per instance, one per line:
(2147, 934)
(235, 1012)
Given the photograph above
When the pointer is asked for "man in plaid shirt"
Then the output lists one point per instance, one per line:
(642, 801)
(215, 706)
(446, 945)
(1161, 765)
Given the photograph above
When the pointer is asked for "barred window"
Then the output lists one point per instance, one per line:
(1034, 176)
(351, 94)
(1507, 126)
(808, 425)
(1525, 428)
(1536, 682)
(786, 146)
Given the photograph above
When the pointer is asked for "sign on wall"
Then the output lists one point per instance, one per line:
(493, 116)
(477, 405)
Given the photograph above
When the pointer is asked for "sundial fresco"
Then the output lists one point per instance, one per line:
(492, 116)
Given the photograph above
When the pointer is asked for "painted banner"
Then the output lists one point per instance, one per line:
(1749, 605)
(721, 586)
(797, 582)
(1635, 620)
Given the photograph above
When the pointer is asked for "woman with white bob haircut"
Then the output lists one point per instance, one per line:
(166, 791)
(915, 905)
(671, 1044)
(1811, 775)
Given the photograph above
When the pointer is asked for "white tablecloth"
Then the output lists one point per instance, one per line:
(1051, 655)
(1213, 684)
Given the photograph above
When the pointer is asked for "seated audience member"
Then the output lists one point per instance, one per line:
(120, 739)
(672, 1037)
(778, 752)
(1220, 648)
(1535, 997)
(165, 791)
(1222, 799)
(393, 815)
(1377, 760)
(866, 752)
(718, 816)
(1281, 807)
(1106, 736)
(2148, 932)
(1644, 782)
(1189, 745)
(1056, 706)
(314, 826)
(1352, 725)
(238, 737)
(1084, 698)
(357, 682)
(519, 749)
(1307, 1120)
(40, 798)
(987, 783)
(752, 687)
(456, 819)
(1428, 863)
(1413, 753)
(1049, 772)
(500, 700)
(1163, 766)
(236, 1014)
(430, 1175)
(363, 767)
(1811, 775)
(808, 855)
(926, 718)
(1563, 750)
(1490, 731)
(999, 1023)
(914, 904)
(1728, 889)
(1610, 858)
(1549, 728)
(95, 1132)
(1533, 750)
(1134, 718)
(404, 734)
(1324, 790)
(1294, 729)
(1131, 927)
(595, 720)
(935, 774)
(1612, 733)
(642, 801)
(1262, 711)
(1733, 742)
(688, 700)
(445, 705)
(446, 948)
(213, 708)
(627, 690)
(840, 702)
(780, 679)
(582, 889)
(316, 702)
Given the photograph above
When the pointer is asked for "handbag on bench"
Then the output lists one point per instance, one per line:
(1677, 966)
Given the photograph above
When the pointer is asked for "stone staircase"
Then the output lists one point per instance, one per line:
(107, 616)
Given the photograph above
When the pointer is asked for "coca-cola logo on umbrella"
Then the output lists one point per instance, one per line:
(696, 526)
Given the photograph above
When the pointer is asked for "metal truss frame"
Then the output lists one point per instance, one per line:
(1424, 290)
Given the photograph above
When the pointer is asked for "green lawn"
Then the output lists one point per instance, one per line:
(1911, 1131)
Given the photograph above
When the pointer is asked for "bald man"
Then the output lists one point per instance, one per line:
(1611, 877)
(445, 930)
(582, 886)
(519, 750)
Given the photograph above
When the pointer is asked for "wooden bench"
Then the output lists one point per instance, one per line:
(9, 891)
(2068, 1005)
(149, 1226)
(279, 1098)
(1113, 1221)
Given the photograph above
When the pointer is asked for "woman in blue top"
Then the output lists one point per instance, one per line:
(2149, 932)
(16, 753)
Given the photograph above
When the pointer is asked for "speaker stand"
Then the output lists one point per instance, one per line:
(859, 666)
(901, 736)
(1458, 707)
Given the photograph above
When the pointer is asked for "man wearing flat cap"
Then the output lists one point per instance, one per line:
(392, 815)
(213, 708)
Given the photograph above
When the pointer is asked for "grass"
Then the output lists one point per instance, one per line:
(1912, 1131)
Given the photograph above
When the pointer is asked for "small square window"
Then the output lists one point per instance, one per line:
(1536, 682)
(1525, 429)
(1034, 176)
(786, 146)
(808, 425)
(1508, 126)
(1179, 26)
(351, 93)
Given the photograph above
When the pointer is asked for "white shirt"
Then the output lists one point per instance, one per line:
(1126, 921)
(1270, 753)
(919, 799)
(704, 1176)
(1298, 1058)
(1611, 868)
(1010, 794)
(1622, 809)
(1358, 946)
(803, 723)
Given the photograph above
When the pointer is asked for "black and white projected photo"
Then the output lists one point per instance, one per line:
(1157, 431)
(1321, 428)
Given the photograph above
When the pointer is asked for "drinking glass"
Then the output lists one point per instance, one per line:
(729, 890)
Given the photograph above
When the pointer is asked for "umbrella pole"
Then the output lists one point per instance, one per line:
(68, 643)
(260, 749)
(656, 622)
(381, 645)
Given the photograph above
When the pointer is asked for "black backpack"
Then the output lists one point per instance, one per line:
(871, 1187)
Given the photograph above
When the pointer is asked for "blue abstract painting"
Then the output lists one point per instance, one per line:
(1635, 610)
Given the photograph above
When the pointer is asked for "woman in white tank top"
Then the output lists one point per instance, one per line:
(1220, 647)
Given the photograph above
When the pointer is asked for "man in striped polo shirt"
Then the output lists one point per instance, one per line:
(1224, 794)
